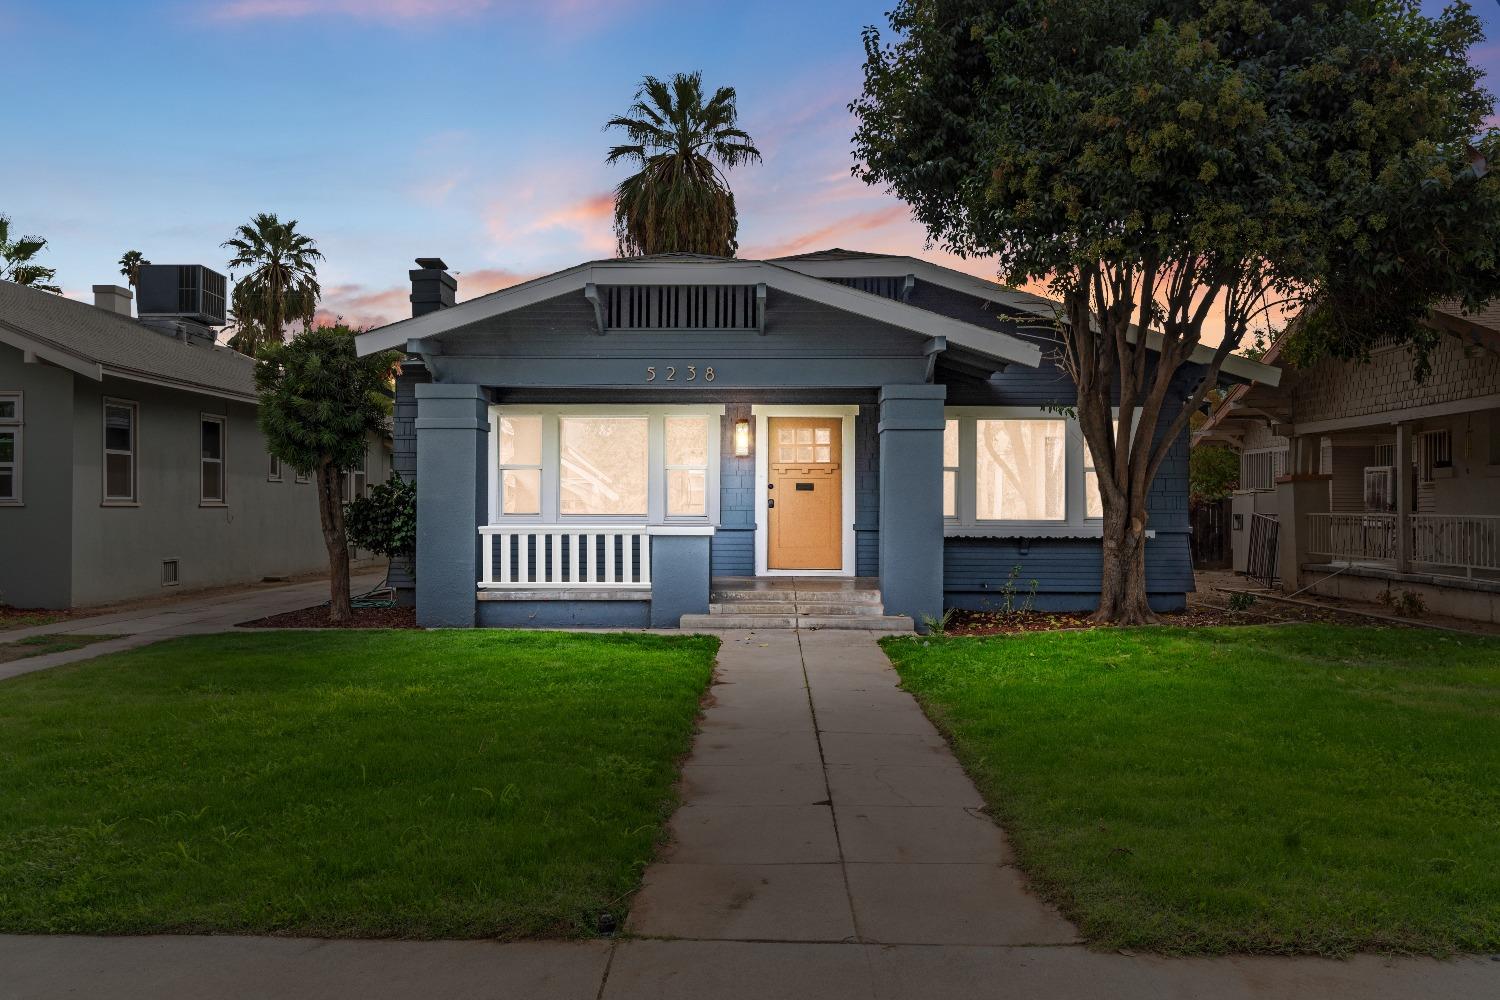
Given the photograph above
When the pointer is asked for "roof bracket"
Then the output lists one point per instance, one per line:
(908, 285)
(935, 346)
(760, 308)
(591, 292)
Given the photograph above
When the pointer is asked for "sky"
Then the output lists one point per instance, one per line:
(393, 129)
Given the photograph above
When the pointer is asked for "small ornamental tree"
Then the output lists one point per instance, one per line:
(318, 402)
(1179, 165)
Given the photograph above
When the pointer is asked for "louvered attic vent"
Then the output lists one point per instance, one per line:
(890, 288)
(681, 307)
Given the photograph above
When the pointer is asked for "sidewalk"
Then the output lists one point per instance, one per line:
(828, 847)
(159, 620)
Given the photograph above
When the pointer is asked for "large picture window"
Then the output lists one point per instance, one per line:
(10, 448)
(120, 419)
(1019, 464)
(604, 466)
(649, 464)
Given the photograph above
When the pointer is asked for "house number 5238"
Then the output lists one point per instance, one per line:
(687, 373)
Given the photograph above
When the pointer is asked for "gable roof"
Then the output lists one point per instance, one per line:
(94, 342)
(692, 269)
(839, 263)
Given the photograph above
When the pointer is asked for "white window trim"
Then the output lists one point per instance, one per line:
(762, 414)
(273, 473)
(105, 500)
(223, 459)
(16, 426)
(1075, 522)
(656, 491)
(360, 474)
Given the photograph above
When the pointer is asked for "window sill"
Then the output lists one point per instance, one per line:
(12, 503)
(212, 503)
(119, 503)
(1028, 531)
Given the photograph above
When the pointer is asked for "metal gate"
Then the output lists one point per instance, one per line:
(1262, 562)
(1210, 538)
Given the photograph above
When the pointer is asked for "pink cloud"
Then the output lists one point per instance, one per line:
(844, 232)
(360, 307)
(399, 10)
(519, 216)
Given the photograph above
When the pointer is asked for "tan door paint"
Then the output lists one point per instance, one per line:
(805, 493)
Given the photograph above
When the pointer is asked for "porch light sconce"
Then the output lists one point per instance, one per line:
(742, 438)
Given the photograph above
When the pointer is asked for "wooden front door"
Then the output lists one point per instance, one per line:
(804, 493)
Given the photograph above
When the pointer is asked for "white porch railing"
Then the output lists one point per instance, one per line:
(1366, 537)
(1445, 542)
(1464, 541)
(557, 556)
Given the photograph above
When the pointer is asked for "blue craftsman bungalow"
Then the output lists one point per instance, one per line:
(833, 438)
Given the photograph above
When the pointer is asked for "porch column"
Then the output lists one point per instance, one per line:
(1301, 492)
(452, 501)
(911, 499)
(1405, 486)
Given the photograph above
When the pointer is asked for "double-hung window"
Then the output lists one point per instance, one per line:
(352, 481)
(120, 420)
(587, 464)
(211, 459)
(10, 448)
(950, 468)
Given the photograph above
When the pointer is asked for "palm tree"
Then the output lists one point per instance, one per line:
(131, 262)
(679, 200)
(282, 281)
(17, 256)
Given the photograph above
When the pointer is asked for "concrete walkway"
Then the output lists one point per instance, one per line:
(828, 847)
(157, 620)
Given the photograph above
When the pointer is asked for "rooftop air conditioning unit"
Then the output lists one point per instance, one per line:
(185, 291)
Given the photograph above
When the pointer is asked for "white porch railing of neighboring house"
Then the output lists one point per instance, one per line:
(1467, 541)
(1443, 543)
(559, 556)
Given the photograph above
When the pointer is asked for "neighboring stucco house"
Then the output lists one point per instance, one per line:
(646, 441)
(1357, 478)
(130, 459)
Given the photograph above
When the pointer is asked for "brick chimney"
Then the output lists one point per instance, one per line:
(113, 298)
(432, 287)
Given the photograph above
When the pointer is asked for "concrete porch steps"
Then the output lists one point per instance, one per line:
(796, 602)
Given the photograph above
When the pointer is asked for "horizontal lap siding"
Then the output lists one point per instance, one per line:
(867, 492)
(733, 550)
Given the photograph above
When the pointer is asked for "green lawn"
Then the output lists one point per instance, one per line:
(453, 784)
(1296, 789)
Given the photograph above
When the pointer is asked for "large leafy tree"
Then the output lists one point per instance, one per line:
(1180, 165)
(679, 200)
(18, 260)
(318, 402)
(280, 281)
(131, 262)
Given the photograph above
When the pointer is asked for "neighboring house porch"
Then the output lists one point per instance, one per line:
(1374, 479)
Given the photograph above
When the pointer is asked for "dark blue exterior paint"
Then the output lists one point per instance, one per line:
(809, 354)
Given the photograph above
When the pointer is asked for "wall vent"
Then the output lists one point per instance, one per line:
(888, 288)
(169, 577)
(681, 307)
(185, 291)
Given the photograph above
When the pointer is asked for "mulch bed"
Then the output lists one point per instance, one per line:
(317, 617)
(1200, 613)
(23, 617)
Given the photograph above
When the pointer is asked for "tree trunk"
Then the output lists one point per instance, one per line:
(1122, 590)
(331, 512)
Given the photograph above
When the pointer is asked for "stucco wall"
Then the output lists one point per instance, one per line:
(35, 544)
(263, 529)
